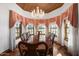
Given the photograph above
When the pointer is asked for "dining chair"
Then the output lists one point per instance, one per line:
(25, 36)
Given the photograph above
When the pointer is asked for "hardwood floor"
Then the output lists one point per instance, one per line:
(58, 50)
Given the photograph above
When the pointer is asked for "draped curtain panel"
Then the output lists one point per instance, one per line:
(75, 15)
(71, 13)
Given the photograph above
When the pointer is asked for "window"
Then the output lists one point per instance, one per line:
(30, 28)
(53, 28)
(42, 29)
(18, 29)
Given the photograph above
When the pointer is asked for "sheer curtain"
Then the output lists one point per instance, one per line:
(12, 38)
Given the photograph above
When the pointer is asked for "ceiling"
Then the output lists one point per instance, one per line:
(47, 7)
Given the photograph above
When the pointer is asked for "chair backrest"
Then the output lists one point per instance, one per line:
(22, 37)
(53, 37)
(48, 39)
(36, 37)
(29, 49)
(25, 36)
(42, 49)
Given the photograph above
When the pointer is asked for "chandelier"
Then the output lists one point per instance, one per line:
(37, 13)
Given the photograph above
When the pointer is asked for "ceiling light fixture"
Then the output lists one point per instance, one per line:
(37, 13)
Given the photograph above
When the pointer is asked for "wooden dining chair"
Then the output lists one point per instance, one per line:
(25, 36)
(50, 41)
(42, 49)
(36, 37)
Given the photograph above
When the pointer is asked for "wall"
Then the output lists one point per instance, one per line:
(4, 28)
(78, 32)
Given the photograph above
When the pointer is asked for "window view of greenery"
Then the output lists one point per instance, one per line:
(18, 30)
(53, 29)
(42, 29)
(30, 28)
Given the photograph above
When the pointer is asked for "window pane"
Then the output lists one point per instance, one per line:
(53, 28)
(42, 28)
(30, 28)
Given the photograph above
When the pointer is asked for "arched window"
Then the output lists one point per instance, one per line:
(30, 28)
(42, 29)
(53, 28)
(18, 29)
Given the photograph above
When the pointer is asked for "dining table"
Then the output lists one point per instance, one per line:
(49, 42)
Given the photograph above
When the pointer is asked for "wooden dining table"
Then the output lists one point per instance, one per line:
(49, 42)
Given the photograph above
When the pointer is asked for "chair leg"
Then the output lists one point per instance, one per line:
(51, 51)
